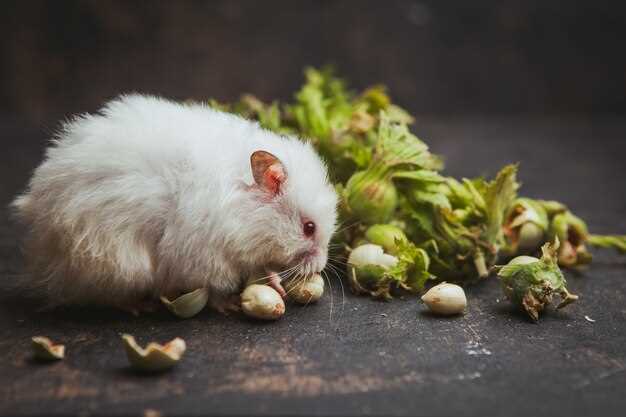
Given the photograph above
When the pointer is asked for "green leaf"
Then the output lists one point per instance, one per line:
(500, 195)
(411, 271)
(398, 147)
(435, 198)
(323, 105)
(476, 200)
(458, 194)
(420, 175)
(360, 154)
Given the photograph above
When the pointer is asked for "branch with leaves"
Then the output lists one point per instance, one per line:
(412, 223)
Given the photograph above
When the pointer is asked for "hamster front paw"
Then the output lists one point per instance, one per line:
(274, 282)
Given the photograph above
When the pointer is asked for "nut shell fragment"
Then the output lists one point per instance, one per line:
(154, 357)
(189, 304)
(445, 299)
(262, 302)
(45, 349)
(307, 291)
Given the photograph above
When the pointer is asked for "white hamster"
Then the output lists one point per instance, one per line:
(153, 197)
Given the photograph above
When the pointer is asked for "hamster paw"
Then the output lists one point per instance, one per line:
(274, 282)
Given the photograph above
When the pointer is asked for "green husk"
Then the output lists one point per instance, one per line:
(386, 236)
(572, 231)
(531, 283)
(408, 271)
(525, 227)
(370, 198)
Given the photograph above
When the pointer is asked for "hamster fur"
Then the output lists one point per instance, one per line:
(153, 197)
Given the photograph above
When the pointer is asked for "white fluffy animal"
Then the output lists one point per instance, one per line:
(152, 197)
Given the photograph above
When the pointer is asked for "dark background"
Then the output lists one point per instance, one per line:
(62, 57)
(539, 82)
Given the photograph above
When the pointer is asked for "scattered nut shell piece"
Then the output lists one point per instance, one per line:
(445, 299)
(189, 304)
(45, 349)
(262, 302)
(307, 291)
(154, 357)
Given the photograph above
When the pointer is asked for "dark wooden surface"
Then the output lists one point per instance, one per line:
(349, 355)
(453, 56)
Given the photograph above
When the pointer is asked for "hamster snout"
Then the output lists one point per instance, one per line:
(314, 261)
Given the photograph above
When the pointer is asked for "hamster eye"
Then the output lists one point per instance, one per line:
(308, 228)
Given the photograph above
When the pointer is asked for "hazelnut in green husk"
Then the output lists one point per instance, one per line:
(525, 226)
(386, 236)
(372, 271)
(572, 232)
(531, 283)
(370, 198)
(368, 265)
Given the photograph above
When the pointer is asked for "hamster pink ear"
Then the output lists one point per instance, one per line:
(268, 171)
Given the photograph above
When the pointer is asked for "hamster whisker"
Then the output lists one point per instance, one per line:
(292, 275)
(338, 258)
(299, 280)
(335, 250)
(335, 269)
(296, 271)
(293, 288)
(339, 261)
(337, 273)
(300, 277)
(292, 272)
(344, 224)
(344, 228)
(256, 280)
(339, 251)
(330, 292)
(336, 247)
